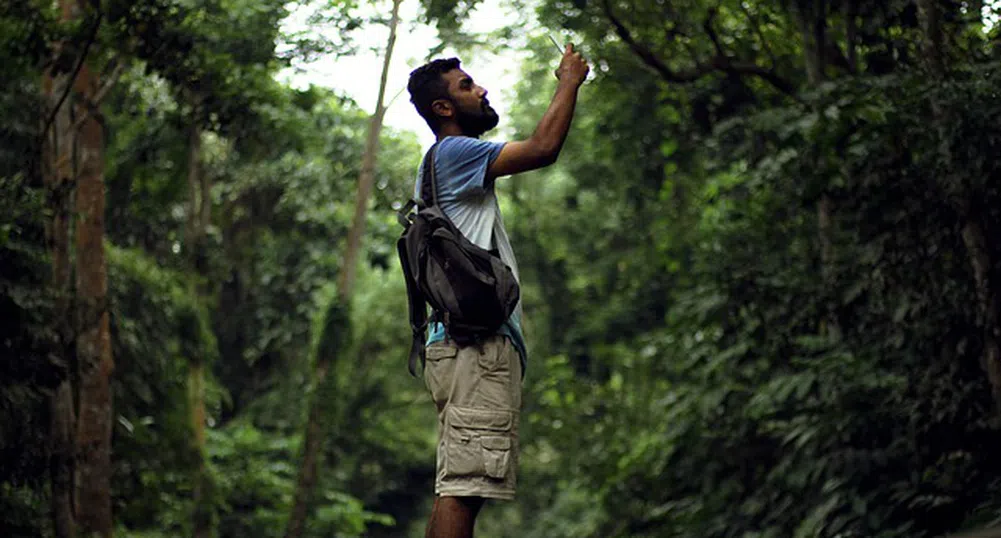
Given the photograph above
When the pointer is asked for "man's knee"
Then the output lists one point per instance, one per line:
(453, 517)
(471, 505)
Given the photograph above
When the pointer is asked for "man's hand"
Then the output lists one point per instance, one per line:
(542, 148)
(573, 67)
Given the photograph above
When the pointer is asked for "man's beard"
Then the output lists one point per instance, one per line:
(475, 124)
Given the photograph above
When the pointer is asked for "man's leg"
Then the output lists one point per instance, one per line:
(453, 517)
(477, 392)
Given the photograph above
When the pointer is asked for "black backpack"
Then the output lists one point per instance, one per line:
(469, 288)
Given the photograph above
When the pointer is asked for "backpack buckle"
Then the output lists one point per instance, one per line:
(403, 215)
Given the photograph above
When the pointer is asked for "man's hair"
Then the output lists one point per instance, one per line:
(427, 85)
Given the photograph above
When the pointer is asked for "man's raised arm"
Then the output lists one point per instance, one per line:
(542, 148)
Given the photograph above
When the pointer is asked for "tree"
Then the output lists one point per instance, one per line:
(314, 424)
(963, 194)
(74, 166)
(738, 330)
(679, 284)
(217, 77)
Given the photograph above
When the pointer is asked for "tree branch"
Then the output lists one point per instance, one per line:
(752, 69)
(710, 30)
(94, 103)
(757, 30)
(648, 57)
(108, 84)
(76, 71)
(723, 62)
(720, 62)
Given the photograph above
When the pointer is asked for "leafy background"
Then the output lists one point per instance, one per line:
(750, 306)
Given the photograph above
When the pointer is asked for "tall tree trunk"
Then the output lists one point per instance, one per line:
(988, 300)
(931, 27)
(57, 172)
(811, 16)
(74, 174)
(964, 200)
(62, 458)
(310, 455)
(367, 176)
(95, 364)
(199, 215)
(812, 19)
(312, 442)
(851, 33)
(204, 511)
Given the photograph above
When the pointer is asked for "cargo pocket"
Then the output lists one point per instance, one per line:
(496, 453)
(439, 369)
(489, 357)
(478, 443)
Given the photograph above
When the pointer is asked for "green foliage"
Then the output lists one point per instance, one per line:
(256, 474)
(379, 437)
(708, 357)
(25, 30)
(29, 340)
(728, 381)
(159, 329)
(29, 366)
(448, 17)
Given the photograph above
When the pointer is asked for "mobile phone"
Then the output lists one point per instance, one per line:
(557, 44)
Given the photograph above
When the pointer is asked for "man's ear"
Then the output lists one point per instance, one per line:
(443, 108)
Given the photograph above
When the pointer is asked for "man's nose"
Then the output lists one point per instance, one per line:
(482, 92)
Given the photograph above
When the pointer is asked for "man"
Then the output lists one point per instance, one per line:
(477, 389)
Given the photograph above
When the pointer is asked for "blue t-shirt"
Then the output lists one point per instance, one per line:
(469, 200)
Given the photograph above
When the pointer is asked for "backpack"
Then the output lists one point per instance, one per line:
(470, 290)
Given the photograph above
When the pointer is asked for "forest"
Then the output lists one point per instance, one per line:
(761, 285)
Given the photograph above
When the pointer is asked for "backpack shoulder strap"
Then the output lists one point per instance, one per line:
(429, 179)
(416, 300)
(416, 304)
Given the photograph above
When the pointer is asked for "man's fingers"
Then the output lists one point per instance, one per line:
(573, 62)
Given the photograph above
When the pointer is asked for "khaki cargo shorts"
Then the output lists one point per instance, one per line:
(478, 394)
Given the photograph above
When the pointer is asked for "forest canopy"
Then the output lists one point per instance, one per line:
(761, 285)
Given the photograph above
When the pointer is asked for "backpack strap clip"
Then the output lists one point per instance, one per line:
(403, 215)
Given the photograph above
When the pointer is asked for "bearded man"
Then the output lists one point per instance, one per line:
(477, 389)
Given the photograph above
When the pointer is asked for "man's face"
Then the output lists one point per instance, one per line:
(473, 112)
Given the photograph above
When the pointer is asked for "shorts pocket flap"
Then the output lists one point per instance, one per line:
(480, 419)
(496, 443)
(439, 351)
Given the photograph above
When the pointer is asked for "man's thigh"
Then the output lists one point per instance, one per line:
(477, 390)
